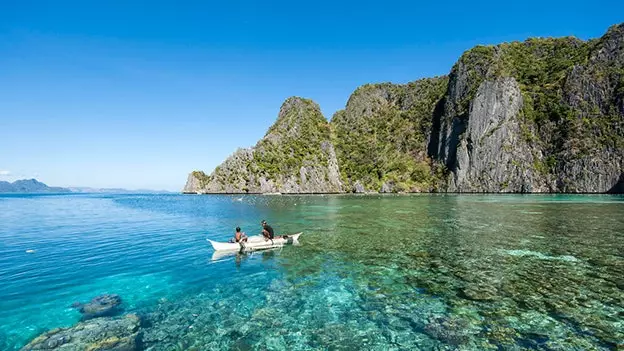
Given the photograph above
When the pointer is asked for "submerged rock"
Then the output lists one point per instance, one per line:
(99, 306)
(111, 334)
(479, 292)
(451, 330)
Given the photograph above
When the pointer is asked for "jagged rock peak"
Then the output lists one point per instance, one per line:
(611, 45)
(295, 113)
(295, 156)
(298, 103)
(615, 30)
(392, 92)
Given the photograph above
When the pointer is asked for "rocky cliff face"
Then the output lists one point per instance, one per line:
(295, 156)
(544, 115)
(485, 149)
(540, 116)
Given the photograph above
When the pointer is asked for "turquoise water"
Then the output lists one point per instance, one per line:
(430, 272)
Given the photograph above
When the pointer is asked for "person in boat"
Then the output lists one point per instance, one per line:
(239, 236)
(268, 233)
(267, 230)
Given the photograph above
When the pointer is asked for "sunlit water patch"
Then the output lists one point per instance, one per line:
(539, 255)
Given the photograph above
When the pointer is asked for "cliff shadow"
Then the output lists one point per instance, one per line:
(460, 124)
(442, 142)
(433, 148)
(618, 188)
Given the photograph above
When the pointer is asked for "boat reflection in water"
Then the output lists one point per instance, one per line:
(239, 257)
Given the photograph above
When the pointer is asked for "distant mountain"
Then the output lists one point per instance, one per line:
(29, 186)
(116, 190)
(35, 186)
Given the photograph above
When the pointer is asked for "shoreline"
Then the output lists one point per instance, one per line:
(415, 193)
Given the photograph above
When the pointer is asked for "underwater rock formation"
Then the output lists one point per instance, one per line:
(99, 306)
(98, 334)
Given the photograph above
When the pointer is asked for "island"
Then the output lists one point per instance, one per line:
(541, 116)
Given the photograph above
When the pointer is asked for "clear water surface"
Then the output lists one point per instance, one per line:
(429, 272)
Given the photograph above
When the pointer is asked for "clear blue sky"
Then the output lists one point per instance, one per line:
(138, 95)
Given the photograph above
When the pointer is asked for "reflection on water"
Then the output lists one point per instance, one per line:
(238, 257)
(426, 272)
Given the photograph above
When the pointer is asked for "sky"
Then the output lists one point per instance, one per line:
(139, 94)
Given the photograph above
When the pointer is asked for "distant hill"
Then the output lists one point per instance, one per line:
(29, 186)
(35, 186)
(116, 190)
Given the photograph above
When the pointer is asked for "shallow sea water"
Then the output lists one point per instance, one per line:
(405, 272)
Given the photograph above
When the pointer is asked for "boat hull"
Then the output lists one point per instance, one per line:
(257, 242)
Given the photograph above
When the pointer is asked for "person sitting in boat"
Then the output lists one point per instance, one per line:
(239, 236)
(267, 230)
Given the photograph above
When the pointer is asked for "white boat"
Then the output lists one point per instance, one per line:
(256, 242)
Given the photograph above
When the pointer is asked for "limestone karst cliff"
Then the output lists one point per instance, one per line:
(543, 115)
(295, 156)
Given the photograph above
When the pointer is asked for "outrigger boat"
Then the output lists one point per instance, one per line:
(256, 242)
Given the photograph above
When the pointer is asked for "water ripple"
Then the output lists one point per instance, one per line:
(427, 272)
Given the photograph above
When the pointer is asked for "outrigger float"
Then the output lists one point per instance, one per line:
(255, 243)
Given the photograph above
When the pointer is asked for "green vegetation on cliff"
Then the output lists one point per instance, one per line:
(540, 65)
(202, 177)
(381, 136)
(295, 156)
(295, 140)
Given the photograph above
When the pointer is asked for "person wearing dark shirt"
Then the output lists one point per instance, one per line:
(267, 230)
